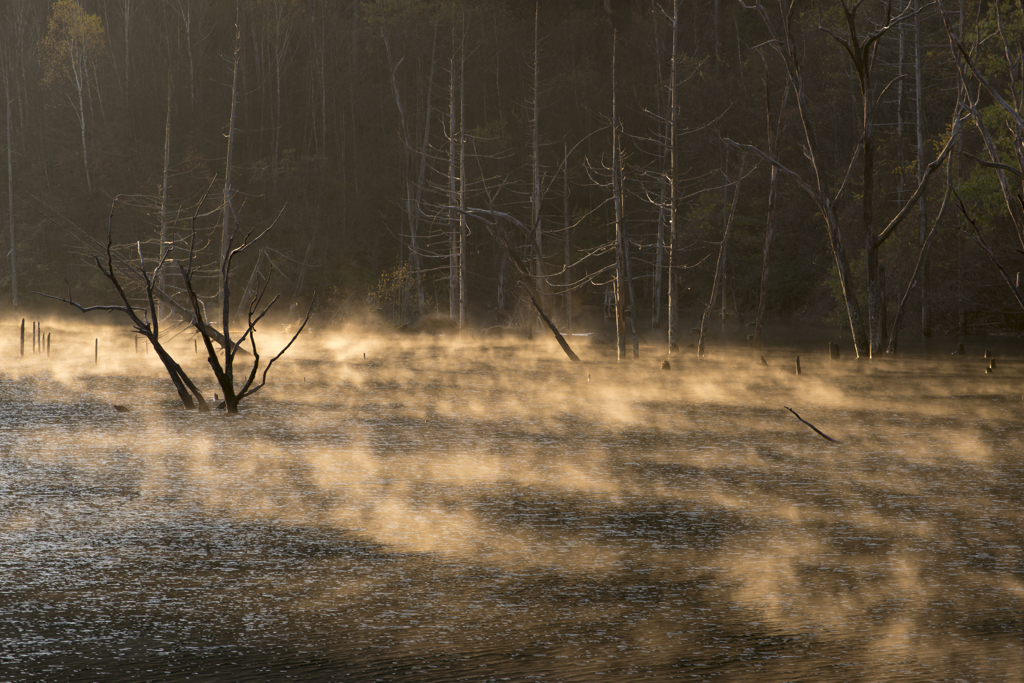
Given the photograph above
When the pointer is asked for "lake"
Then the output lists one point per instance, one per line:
(482, 509)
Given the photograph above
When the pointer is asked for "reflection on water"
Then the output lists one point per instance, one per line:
(481, 511)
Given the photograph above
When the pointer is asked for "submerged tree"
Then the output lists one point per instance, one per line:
(143, 310)
(141, 305)
(224, 370)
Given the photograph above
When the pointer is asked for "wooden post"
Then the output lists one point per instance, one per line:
(47, 344)
(33, 337)
(136, 343)
(22, 336)
(195, 346)
(798, 365)
(96, 358)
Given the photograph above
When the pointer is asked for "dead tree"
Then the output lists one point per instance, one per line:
(489, 217)
(623, 278)
(126, 272)
(224, 371)
(146, 318)
(918, 277)
(774, 133)
(720, 267)
(860, 48)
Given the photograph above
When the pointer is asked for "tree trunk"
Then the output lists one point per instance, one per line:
(414, 249)
(10, 190)
(127, 40)
(620, 228)
(164, 242)
(501, 314)
(858, 330)
(453, 199)
(536, 190)
(463, 233)
(229, 161)
(922, 209)
(766, 260)
(85, 149)
(719, 283)
(876, 294)
(568, 242)
(659, 256)
(673, 209)
(630, 294)
(916, 274)
(554, 330)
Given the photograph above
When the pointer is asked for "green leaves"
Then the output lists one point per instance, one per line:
(73, 42)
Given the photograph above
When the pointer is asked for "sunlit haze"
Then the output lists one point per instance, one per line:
(480, 502)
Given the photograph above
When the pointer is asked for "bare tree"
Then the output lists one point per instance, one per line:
(1008, 99)
(145, 318)
(868, 335)
(623, 276)
(719, 282)
(229, 161)
(123, 273)
(673, 182)
(6, 64)
(224, 370)
(491, 221)
(774, 133)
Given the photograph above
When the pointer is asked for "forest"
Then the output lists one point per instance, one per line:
(641, 166)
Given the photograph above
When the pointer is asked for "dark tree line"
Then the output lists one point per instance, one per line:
(829, 140)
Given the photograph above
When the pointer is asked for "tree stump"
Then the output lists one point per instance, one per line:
(665, 365)
(833, 351)
(798, 365)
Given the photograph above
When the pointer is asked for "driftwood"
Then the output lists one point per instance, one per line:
(820, 433)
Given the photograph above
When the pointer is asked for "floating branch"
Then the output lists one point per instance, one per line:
(820, 433)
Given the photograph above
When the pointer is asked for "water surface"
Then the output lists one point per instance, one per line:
(479, 509)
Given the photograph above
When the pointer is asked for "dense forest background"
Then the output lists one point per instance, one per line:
(386, 132)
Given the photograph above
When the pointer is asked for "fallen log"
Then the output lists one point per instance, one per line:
(820, 433)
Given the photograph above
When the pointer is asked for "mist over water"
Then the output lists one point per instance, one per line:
(482, 509)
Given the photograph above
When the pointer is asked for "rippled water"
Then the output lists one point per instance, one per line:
(485, 510)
